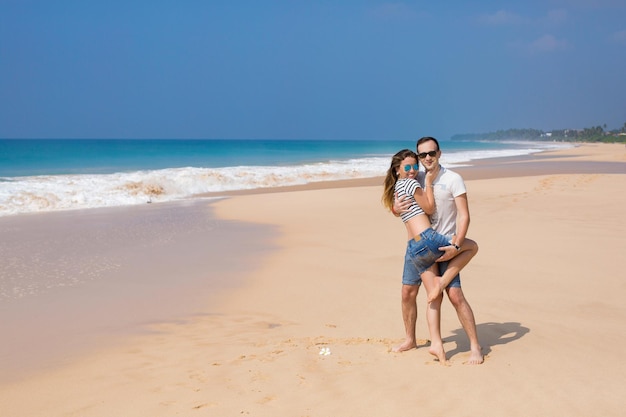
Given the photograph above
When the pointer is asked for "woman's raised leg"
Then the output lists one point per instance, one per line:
(466, 253)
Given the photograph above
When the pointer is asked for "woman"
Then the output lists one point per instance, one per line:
(423, 242)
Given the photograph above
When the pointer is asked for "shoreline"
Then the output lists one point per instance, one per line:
(474, 169)
(562, 161)
(325, 282)
(135, 179)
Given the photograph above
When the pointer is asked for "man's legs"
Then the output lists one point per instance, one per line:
(464, 313)
(466, 317)
(409, 316)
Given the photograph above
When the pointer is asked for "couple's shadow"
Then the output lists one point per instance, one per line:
(489, 334)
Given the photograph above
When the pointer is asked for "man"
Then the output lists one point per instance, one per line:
(451, 217)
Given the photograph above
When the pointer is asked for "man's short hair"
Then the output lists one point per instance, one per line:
(426, 139)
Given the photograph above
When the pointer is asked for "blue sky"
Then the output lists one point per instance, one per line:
(308, 69)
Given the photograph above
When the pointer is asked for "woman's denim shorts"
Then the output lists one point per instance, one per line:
(424, 252)
(411, 277)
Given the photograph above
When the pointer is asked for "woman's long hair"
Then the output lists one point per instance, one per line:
(392, 176)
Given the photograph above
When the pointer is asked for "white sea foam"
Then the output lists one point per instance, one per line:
(66, 192)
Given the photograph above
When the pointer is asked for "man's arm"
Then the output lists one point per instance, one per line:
(400, 205)
(462, 224)
(462, 218)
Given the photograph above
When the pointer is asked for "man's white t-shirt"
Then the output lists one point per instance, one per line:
(447, 186)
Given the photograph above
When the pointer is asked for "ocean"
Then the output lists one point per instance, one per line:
(40, 175)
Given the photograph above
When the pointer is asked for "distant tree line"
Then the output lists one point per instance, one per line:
(588, 134)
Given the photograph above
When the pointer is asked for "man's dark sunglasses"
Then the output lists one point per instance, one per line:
(422, 155)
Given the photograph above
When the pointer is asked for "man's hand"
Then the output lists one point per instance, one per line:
(431, 175)
(400, 204)
(449, 253)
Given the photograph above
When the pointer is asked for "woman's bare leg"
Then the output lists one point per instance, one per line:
(430, 279)
(467, 252)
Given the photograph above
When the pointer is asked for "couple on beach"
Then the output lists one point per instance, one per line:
(434, 208)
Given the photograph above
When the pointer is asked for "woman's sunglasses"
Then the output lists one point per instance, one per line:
(415, 167)
(422, 155)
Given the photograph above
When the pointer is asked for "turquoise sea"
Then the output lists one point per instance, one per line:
(38, 175)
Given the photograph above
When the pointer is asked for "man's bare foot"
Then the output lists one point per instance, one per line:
(476, 357)
(407, 345)
(434, 293)
(437, 351)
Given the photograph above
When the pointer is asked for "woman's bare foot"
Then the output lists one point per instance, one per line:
(476, 356)
(437, 351)
(407, 345)
(435, 292)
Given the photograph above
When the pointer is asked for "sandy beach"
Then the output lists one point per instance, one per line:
(323, 271)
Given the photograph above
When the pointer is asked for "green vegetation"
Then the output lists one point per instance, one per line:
(588, 134)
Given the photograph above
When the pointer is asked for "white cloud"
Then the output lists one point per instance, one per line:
(501, 17)
(393, 11)
(557, 16)
(504, 17)
(547, 43)
(619, 37)
(544, 44)
(592, 4)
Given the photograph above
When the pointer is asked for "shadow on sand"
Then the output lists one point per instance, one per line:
(489, 334)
